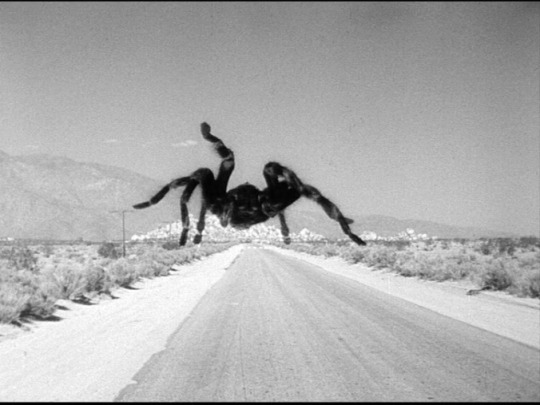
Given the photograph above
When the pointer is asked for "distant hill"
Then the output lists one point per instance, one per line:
(51, 197)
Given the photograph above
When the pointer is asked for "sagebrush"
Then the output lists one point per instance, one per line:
(502, 264)
(32, 281)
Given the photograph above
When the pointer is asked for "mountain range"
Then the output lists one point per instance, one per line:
(52, 197)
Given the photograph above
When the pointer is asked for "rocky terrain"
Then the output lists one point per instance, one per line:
(213, 231)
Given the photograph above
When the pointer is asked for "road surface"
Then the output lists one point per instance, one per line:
(276, 328)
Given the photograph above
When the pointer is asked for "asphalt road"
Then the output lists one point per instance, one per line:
(275, 328)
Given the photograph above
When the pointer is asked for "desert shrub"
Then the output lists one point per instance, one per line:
(354, 254)
(527, 278)
(381, 257)
(30, 293)
(41, 300)
(512, 265)
(458, 270)
(19, 258)
(67, 279)
(527, 242)
(485, 247)
(12, 302)
(150, 268)
(47, 250)
(497, 274)
(24, 293)
(526, 284)
(109, 250)
(145, 268)
(399, 244)
(506, 246)
(167, 258)
(171, 245)
(184, 257)
(96, 279)
(408, 267)
(328, 250)
(121, 273)
(430, 266)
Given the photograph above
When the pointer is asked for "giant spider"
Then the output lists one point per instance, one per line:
(245, 205)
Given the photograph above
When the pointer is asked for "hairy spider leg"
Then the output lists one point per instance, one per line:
(332, 211)
(186, 195)
(205, 178)
(182, 181)
(277, 176)
(279, 195)
(284, 228)
(202, 176)
(212, 188)
(227, 163)
(200, 224)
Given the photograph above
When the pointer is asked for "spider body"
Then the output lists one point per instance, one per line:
(245, 205)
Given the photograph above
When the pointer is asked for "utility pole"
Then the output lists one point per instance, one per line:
(123, 229)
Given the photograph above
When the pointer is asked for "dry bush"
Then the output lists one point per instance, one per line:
(67, 279)
(149, 268)
(171, 245)
(46, 250)
(380, 257)
(497, 274)
(109, 250)
(121, 273)
(24, 293)
(505, 264)
(97, 280)
(12, 302)
(19, 257)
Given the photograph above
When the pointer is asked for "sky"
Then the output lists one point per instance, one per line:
(419, 110)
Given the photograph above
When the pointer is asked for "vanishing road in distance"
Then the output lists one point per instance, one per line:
(276, 328)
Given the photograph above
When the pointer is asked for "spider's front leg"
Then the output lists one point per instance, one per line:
(186, 194)
(200, 224)
(203, 177)
(208, 182)
(284, 187)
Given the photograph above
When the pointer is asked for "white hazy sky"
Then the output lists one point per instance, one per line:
(415, 110)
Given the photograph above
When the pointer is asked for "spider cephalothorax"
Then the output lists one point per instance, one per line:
(245, 205)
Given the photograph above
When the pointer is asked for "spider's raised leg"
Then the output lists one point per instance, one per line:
(227, 163)
(284, 187)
